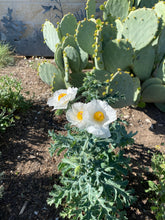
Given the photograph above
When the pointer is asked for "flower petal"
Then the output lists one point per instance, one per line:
(102, 132)
(61, 98)
(72, 115)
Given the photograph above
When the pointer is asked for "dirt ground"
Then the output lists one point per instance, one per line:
(30, 172)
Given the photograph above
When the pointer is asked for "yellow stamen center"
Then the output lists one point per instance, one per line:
(61, 95)
(99, 116)
(80, 115)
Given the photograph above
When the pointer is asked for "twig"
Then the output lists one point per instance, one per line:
(23, 208)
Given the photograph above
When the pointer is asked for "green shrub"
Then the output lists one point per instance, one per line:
(11, 100)
(92, 184)
(6, 55)
(10, 93)
(158, 186)
(6, 118)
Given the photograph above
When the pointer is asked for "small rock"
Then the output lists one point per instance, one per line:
(36, 212)
(126, 116)
(148, 121)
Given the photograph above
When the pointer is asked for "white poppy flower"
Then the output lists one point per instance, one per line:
(61, 98)
(98, 116)
(75, 115)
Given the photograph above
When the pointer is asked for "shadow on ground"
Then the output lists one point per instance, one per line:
(140, 163)
(29, 171)
(25, 197)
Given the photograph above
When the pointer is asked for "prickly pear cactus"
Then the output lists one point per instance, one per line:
(69, 58)
(128, 37)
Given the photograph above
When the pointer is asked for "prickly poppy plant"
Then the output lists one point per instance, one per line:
(92, 182)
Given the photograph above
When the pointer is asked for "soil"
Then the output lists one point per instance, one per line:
(30, 172)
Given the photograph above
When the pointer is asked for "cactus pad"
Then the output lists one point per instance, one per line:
(117, 54)
(101, 75)
(140, 27)
(90, 8)
(161, 46)
(73, 58)
(151, 81)
(116, 9)
(68, 25)
(51, 75)
(109, 32)
(69, 41)
(123, 84)
(85, 35)
(119, 26)
(84, 58)
(160, 10)
(76, 79)
(154, 93)
(58, 57)
(147, 4)
(50, 35)
(160, 106)
(160, 72)
(143, 62)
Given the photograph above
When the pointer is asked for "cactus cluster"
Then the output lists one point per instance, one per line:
(69, 58)
(126, 44)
